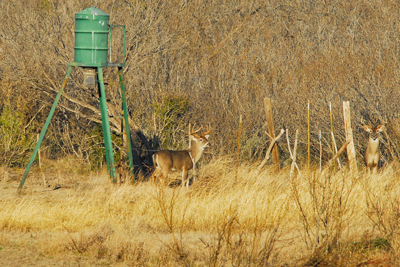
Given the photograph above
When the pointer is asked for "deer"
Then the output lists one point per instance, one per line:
(372, 153)
(182, 160)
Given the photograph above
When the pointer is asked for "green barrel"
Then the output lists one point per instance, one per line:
(91, 37)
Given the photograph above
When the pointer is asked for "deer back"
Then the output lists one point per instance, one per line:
(182, 159)
(170, 159)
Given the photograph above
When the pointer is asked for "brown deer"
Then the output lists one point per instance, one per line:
(372, 153)
(184, 160)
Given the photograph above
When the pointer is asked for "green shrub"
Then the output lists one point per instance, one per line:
(170, 114)
(16, 138)
(94, 150)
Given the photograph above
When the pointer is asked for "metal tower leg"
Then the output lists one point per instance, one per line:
(46, 125)
(125, 109)
(106, 127)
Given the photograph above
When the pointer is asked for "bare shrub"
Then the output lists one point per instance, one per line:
(324, 202)
(383, 206)
(223, 56)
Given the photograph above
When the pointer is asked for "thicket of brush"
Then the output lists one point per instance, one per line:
(202, 62)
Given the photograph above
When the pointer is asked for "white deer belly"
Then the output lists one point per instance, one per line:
(373, 152)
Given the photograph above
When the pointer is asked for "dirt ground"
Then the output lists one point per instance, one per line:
(13, 255)
(23, 249)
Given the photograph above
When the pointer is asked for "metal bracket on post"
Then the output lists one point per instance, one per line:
(124, 50)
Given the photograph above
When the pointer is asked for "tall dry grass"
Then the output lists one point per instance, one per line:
(261, 219)
(223, 56)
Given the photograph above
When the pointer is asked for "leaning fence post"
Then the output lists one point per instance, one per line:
(271, 130)
(351, 152)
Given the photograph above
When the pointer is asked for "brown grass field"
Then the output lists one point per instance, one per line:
(223, 219)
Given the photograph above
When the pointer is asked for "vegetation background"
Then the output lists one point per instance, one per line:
(208, 62)
(203, 62)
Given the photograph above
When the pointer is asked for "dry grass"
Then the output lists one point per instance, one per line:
(248, 220)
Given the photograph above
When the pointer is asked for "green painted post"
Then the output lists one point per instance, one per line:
(128, 135)
(46, 125)
(106, 126)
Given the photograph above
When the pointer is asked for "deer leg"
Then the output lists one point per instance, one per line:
(184, 176)
(194, 168)
(165, 177)
(194, 172)
(374, 169)
(156, 173)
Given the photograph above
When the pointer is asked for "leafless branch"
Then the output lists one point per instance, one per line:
(341, 150)
(267, 155)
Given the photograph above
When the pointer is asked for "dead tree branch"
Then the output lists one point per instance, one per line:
(341, 150)
(267, 155)
(293, 155)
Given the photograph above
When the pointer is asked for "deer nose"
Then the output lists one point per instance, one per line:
(208, 144)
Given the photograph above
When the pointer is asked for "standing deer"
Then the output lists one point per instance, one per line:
(184, 160)
(372, 153)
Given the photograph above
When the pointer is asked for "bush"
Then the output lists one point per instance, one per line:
(16, 138)
(170, 115)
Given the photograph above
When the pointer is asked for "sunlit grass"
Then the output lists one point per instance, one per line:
(222, 217)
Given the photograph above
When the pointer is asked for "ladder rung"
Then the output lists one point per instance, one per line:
(124, 150)
(123, 133)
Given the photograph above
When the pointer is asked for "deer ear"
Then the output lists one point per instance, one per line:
(206, 136)
(367, 128)
(192, 137)
(380, 128)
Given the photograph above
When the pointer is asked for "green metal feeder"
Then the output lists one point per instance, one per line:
(92, 36)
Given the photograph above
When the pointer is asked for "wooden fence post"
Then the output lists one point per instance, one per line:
(308, 135)
(238, 145)
(271, 130)
(351, 152)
